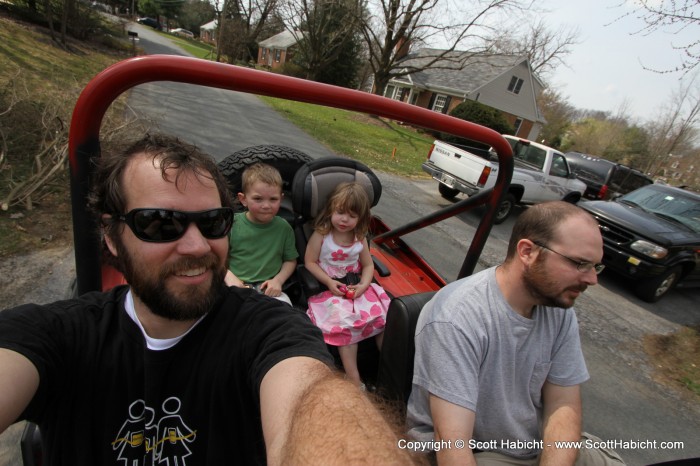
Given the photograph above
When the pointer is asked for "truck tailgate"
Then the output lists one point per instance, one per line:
(468, 167)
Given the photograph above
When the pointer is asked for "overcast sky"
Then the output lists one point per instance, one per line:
(607, 66)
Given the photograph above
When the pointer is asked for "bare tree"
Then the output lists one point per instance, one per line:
(394, 27)
(545, 48)
(675, 130)
(323, 30)
(240, 25)
(559, 115)
(671, 16)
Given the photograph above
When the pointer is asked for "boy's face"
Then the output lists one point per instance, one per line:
(262, 200)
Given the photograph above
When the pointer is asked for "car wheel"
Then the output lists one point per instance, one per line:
(653, 289)
(447, 192)
(504, 209)
(285, 159)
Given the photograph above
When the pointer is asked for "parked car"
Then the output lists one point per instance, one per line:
(652, 235)
(541, 174)
(605, 179)
(150, 22)
(182, 33)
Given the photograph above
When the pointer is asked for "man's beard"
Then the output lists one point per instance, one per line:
(189, 303)
(544, 289)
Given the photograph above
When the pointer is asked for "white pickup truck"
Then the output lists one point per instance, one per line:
(540, 174)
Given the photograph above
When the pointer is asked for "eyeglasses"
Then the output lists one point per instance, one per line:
(164, 225)
(581, 266)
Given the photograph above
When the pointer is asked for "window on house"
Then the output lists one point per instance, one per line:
(389, 91)
(264, 54)
(515, 85)
(516, 126)
(440, 102)
(278, 55)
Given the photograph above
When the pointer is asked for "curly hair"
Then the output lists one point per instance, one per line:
(346, 197)
(107, 195)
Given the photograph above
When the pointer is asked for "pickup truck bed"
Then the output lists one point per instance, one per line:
(541, 174)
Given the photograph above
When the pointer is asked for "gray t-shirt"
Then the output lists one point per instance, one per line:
(475, 351)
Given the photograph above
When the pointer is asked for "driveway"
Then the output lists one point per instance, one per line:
(622, 401)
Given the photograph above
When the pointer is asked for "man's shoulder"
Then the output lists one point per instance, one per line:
(92, 302)
(248, 304)
(473, 285)
(462, 300)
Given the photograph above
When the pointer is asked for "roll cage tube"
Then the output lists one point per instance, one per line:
(104, 88)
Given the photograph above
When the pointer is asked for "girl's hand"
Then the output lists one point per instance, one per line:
(360, 288)
(335, 287)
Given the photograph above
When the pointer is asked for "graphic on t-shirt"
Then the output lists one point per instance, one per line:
(143, 441)
(134, 438)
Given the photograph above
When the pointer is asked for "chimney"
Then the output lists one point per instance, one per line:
(402, 47)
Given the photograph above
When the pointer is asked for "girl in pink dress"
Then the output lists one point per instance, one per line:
(353, 308)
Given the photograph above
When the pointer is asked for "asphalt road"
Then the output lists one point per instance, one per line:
(622, 401)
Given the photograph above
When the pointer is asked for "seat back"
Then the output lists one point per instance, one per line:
(314, 182)
(395, 374)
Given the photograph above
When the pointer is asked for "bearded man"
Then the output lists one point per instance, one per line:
(498, 359)
(175, 367)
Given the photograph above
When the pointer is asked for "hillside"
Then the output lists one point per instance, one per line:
(39, 84)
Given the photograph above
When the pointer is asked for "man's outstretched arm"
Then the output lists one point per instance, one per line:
(19, 381)
(312, 416)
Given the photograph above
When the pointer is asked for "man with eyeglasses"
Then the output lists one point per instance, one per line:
(498, 359)
(176, 368)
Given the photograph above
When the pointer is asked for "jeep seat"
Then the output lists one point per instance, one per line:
(311, 187)
(395, 373)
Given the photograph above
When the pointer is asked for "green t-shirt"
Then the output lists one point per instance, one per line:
(258, 250)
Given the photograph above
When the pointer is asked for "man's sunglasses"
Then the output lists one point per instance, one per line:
(164, 225)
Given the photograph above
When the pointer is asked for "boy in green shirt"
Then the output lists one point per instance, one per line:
(262, 252)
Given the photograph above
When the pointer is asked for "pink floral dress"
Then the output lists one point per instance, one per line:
(346, 321)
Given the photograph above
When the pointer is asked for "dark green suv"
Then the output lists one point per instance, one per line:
(651, 235)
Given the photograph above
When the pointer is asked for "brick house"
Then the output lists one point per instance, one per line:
(207, 32)
(504, 82)
(275, 51)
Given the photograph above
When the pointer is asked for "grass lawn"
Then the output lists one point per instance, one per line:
(379, 143)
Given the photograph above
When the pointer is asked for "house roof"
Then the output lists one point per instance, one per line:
(283, 40)
(210, 26)
(479, 70)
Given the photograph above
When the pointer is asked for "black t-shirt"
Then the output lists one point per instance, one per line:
(104, 398)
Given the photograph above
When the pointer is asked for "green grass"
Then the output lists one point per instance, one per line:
(196, 48)
(381, 144)
(675, 356)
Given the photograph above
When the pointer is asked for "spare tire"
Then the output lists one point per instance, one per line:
(285, 159)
